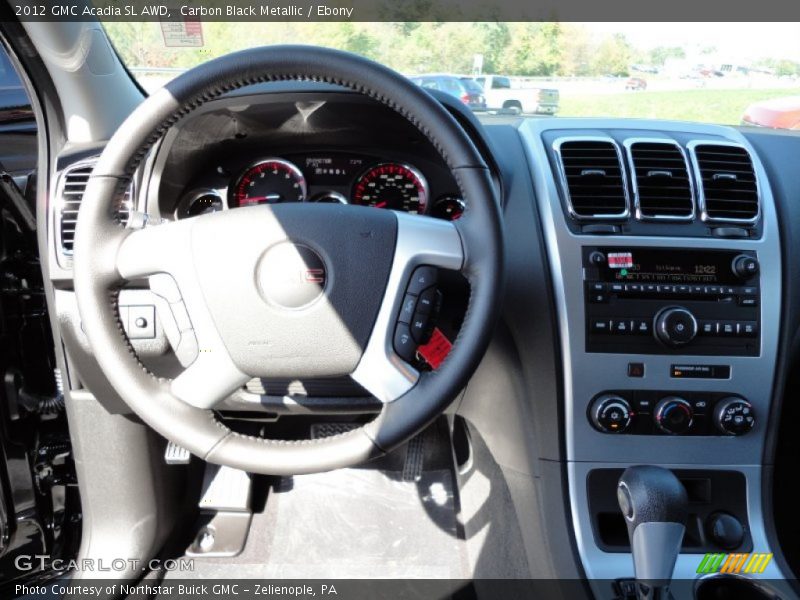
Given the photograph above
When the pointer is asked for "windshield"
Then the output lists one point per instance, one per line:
(730, 73)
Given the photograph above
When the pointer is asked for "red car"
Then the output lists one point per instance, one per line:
(777, 113)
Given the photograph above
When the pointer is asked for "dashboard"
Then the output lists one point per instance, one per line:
(318, 177)
(632, 327)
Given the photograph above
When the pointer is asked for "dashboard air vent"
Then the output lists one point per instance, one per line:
(73, 184)
(728, 181)
(594, 178)
(662, 188)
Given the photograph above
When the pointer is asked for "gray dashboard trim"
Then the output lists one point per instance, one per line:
(752, 377)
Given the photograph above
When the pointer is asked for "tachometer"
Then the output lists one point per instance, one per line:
(270, 181)
(394, 186)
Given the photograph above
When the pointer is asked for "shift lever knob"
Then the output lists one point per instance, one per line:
(654, 505)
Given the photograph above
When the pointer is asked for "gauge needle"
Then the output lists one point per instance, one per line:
(381, 204)
(268, 198)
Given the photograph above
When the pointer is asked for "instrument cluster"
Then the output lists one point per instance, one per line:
(330, 178)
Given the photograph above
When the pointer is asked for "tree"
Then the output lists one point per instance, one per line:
(660, 54)
(613, 56)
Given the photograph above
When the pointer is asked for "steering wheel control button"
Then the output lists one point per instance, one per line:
(291, 276)
(745, 266)
(734, 416)
(422, 278)
(427, 301)
(675, 326)
(610, 413)
(141, 322)
(407, 309)
(404, 343)
(673, 415)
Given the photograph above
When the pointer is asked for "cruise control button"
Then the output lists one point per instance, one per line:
(422, 278)
(407, 309)
(404, 343)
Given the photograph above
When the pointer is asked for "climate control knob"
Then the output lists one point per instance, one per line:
(734, 416)
(610, 413)
(673, 415)
(675, 326)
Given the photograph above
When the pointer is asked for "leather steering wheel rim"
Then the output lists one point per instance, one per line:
(105, 253)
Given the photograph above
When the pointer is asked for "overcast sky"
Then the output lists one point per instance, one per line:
(739, 41)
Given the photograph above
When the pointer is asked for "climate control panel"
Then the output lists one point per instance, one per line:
(656, 301)
(665, 413)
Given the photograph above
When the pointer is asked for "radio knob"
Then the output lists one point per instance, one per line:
(734, 416)
(611, 413)
(673, 415)
(745, 267)
(675, 326)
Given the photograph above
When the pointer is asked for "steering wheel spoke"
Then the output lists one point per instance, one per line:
(421, 242)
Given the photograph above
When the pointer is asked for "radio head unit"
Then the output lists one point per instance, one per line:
(657, 301)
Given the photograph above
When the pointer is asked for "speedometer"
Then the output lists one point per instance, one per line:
(394, 186)
(270, 181)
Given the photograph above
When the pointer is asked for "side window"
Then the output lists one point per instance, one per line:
(429, 84)
(14, 103)
(501, 83)
(451, 86)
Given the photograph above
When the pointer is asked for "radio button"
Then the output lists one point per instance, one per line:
(651, 288)
(745, 266)
(698, 289)
(597, 287)
(617, 288)
(748, 291)
(634, 288)
(683, 289)
(599, 326)
(747, 328)
(727, 328)
(712, 290)
(666, 289)
(596, 298)
(621, 326)
(748, 301)
(641, 326)
(709, 327)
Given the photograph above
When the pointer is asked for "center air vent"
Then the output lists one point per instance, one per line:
(661, 184)
(72, 187)
(594, 178)
(728, 187)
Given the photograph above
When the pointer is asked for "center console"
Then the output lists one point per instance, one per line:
(664, 253)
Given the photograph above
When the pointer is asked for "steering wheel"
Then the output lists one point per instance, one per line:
(292, 290)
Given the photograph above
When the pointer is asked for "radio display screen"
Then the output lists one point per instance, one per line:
(648, 265)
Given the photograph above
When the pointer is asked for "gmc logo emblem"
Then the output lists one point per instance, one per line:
(314, 276)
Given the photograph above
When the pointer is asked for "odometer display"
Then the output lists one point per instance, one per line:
(393, 186)
(270, 181)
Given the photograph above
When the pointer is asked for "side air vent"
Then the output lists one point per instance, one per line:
(72, 185)
(594, 178)
(727, 181)
(661, 184)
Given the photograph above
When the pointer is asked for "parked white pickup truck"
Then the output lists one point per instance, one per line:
(500, 94)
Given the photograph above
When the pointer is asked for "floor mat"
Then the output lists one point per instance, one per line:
(351, 523)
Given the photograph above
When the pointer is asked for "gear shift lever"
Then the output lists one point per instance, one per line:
(654, 505)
